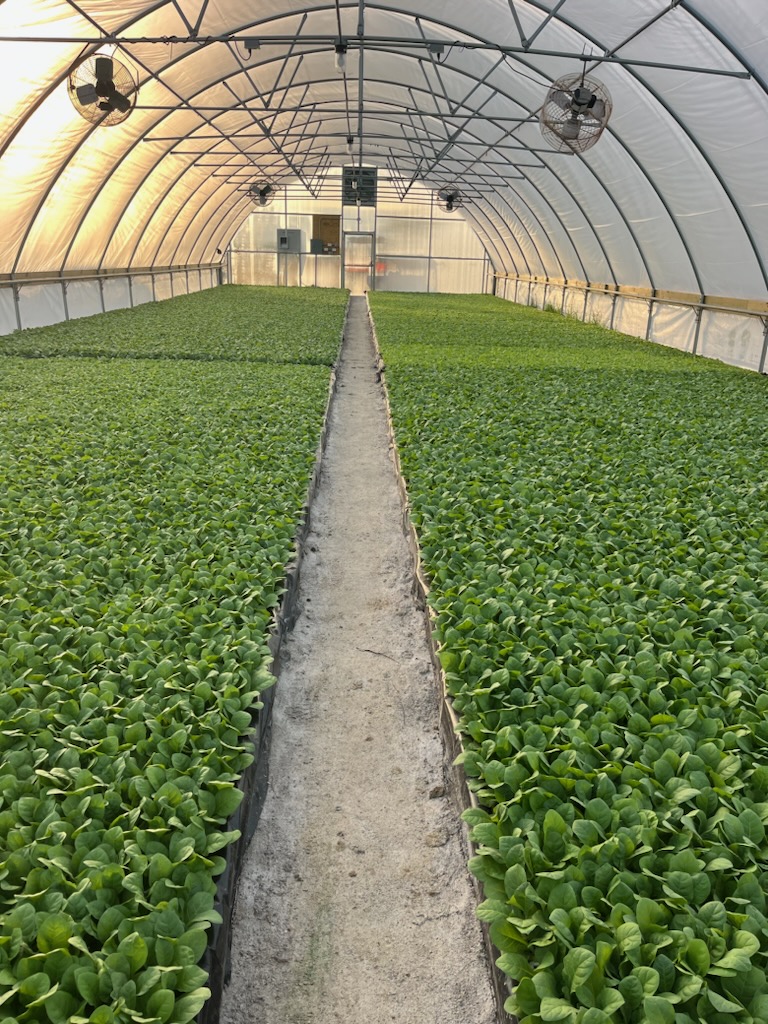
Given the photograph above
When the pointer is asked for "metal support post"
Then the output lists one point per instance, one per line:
(650, 315)
(764, 353)
(699, 315)
(17, 305)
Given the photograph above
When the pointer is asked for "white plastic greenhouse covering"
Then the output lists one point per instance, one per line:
(660, 229)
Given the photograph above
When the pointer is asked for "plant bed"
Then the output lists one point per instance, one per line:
(236, 323)
(591, 515)
(148, 514)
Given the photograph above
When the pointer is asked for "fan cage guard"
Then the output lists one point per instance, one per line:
(444, 193)
(257, 187)
(84, 74)
(553, 118)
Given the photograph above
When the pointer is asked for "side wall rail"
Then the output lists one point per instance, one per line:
(38, 300)
(735, 331)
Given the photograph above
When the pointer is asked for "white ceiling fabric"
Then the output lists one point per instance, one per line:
(672, 197)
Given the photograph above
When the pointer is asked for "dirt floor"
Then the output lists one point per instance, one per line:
(355, 904)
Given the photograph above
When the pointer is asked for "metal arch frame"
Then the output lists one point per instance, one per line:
(580, 32)
(72, 152)
(481, 208)
(505, 200)
(630, 231)
(547, 203)
(175, 182)
(641, 167)
(633, 159)
(531, 239)
(256, 89)
(484, 231)
(459, 72)
(463, 73)
(184, 170)
(151, 214)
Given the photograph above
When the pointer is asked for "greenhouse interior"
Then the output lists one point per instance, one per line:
(383, 521)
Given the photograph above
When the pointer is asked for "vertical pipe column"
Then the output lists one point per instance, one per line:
(429, 242)
(699, 315)
(650, 315)
(764, 353)
(64, 299)
(16, 305)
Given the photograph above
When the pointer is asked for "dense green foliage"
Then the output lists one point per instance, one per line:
(592, 514)
(232, 323)
(147, 512)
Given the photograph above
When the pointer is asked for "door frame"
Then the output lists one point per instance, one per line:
(371, 265)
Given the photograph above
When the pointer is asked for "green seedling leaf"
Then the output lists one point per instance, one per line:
(658, 1011)
(578, 966)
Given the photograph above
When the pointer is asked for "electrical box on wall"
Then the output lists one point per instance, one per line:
(288, 240)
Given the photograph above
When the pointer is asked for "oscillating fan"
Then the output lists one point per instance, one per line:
(575, 112)
(102, 90)
(262, 192)
(449, 198)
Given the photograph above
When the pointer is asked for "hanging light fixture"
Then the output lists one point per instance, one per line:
(341, 57)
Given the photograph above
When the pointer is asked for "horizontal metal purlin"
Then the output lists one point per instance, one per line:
(422, 139)
(392, 109)
(371, 42)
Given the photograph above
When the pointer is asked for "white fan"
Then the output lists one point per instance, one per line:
(575, 112)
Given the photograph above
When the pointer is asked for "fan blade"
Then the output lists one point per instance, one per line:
(86, 94)
(598, 110)
(562, 99)
(570, 129)
(119, 102)
(104, 69)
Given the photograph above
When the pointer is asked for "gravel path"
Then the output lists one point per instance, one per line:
(354, 904)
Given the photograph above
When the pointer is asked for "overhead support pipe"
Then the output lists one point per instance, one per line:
(372, 42)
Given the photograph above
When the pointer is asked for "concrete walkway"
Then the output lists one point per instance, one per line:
(355, 905)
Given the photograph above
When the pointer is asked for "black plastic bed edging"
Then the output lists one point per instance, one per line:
(254, 780)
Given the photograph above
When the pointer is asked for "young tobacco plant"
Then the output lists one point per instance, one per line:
(591, 514)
